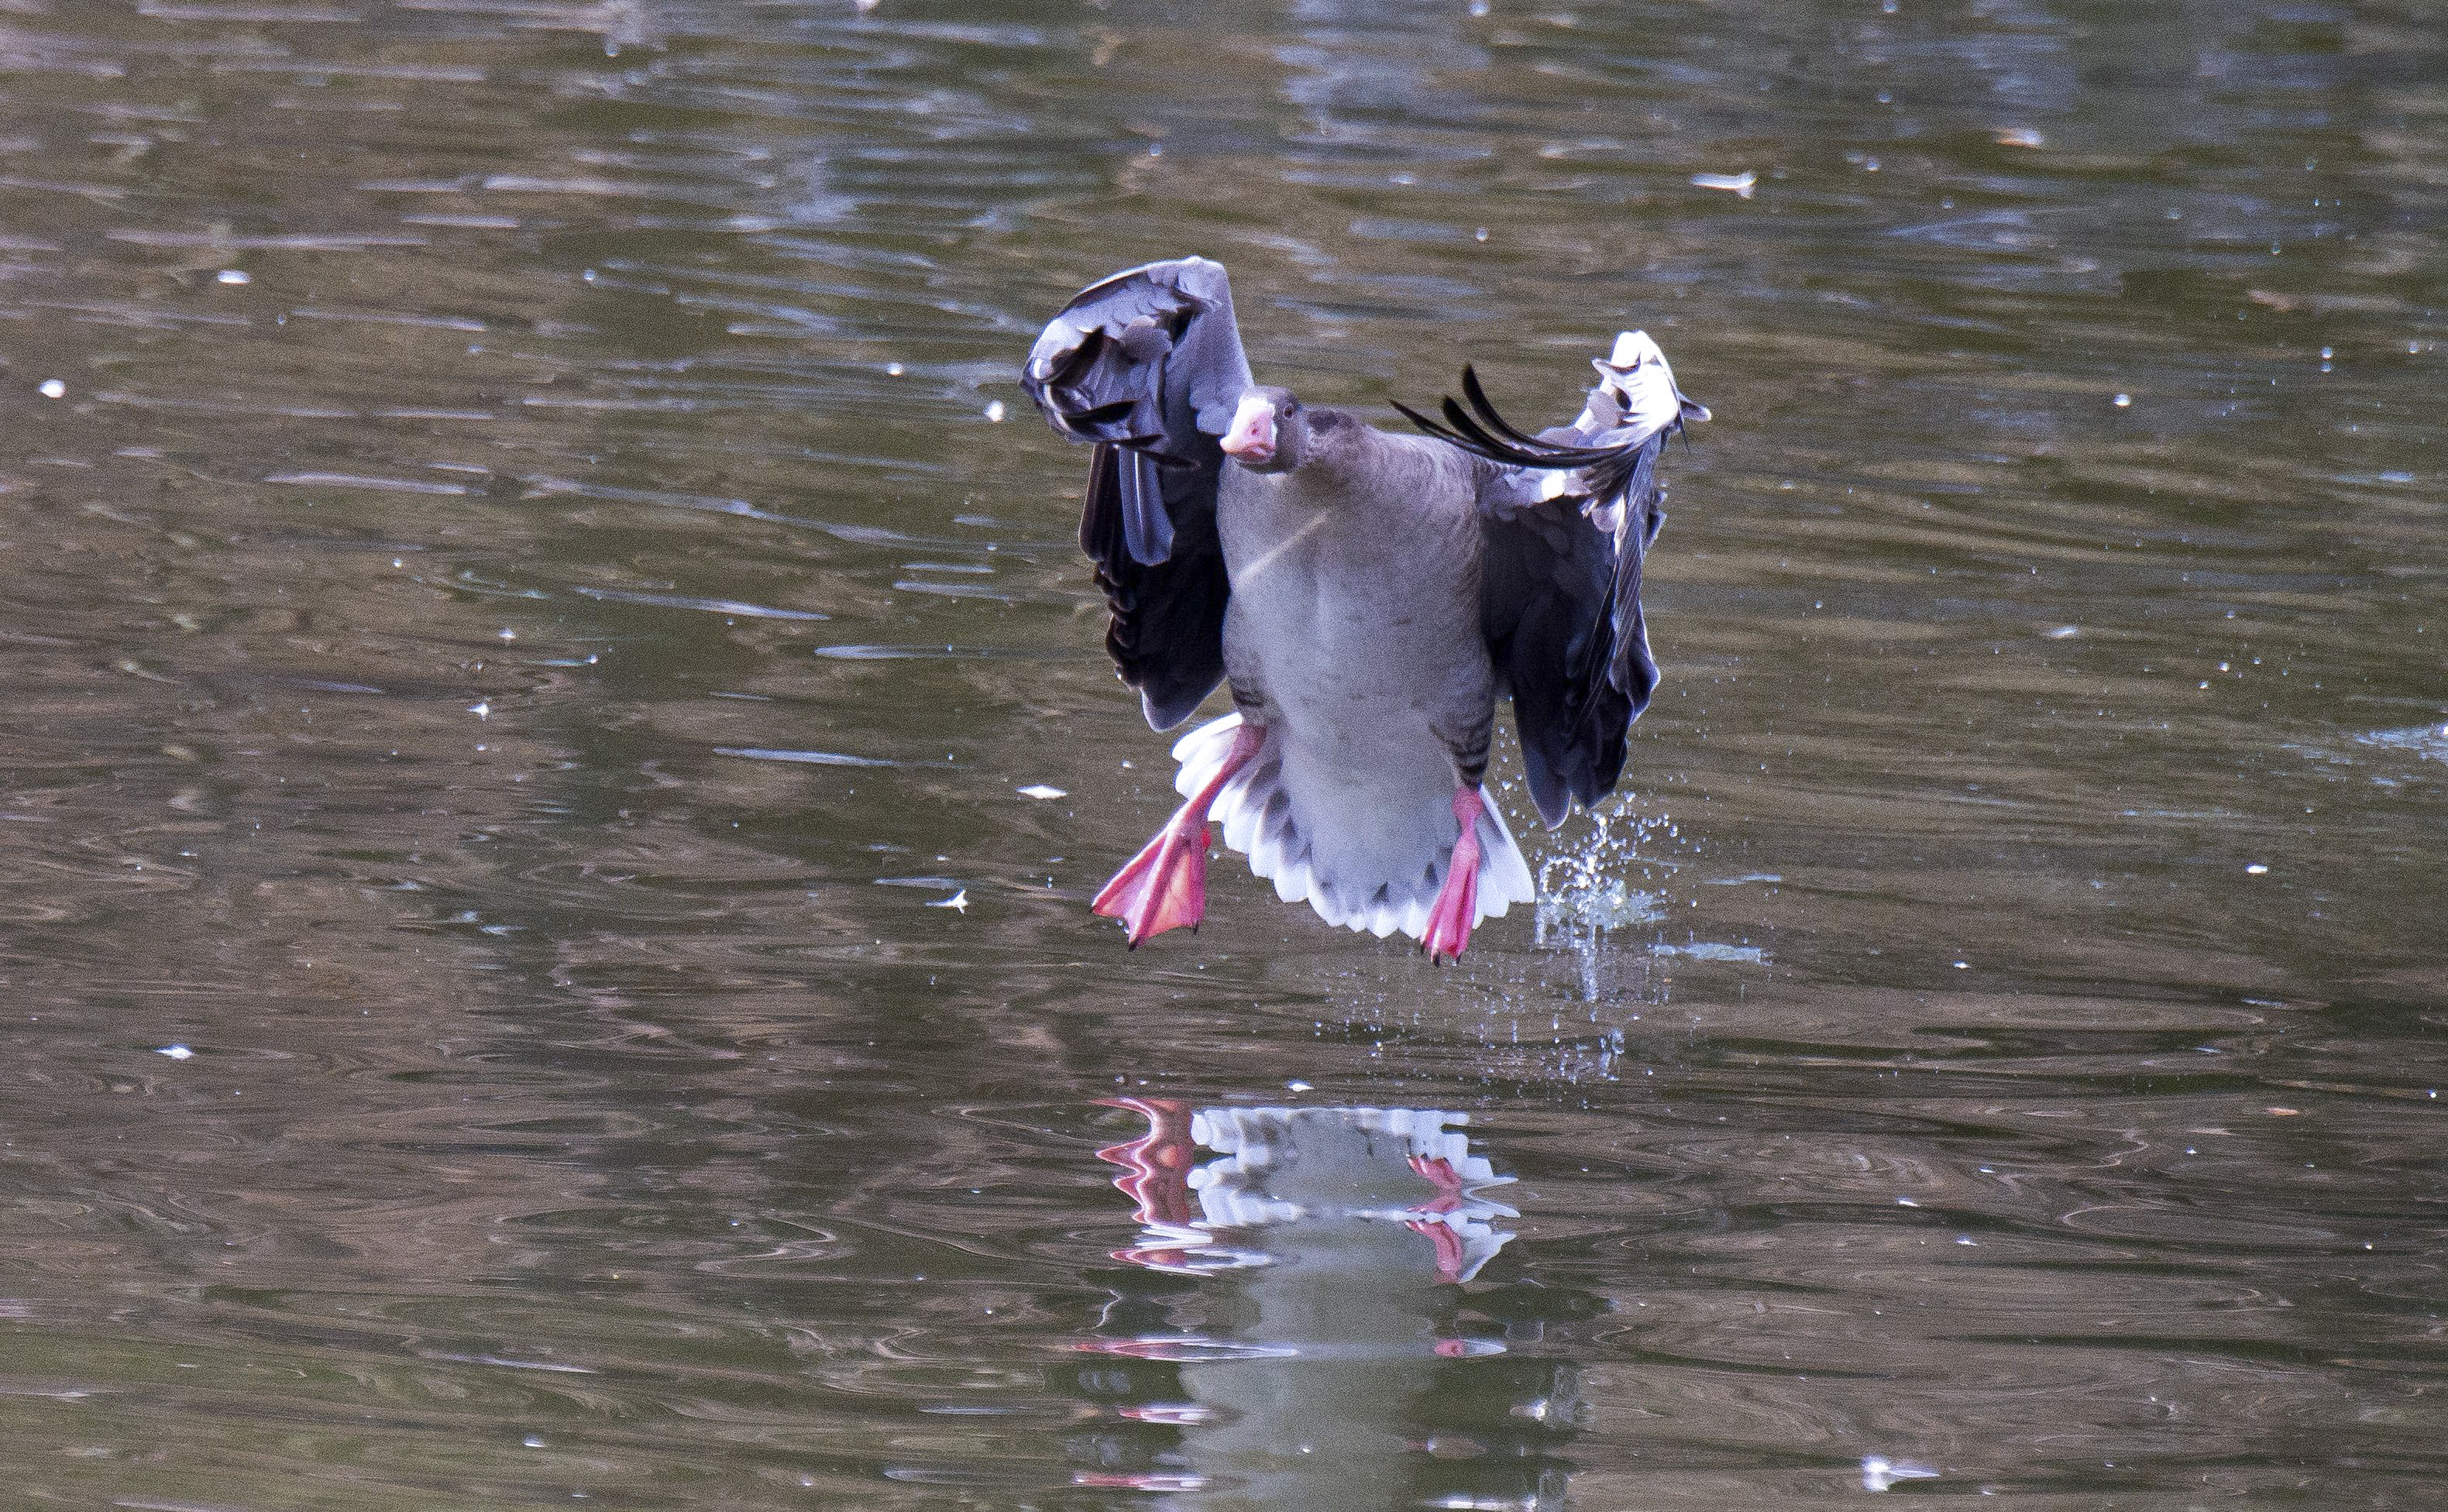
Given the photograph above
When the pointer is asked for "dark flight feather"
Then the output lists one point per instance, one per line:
(1147, 365)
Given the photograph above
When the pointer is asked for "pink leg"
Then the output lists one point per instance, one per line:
(1457, 905)
(1164, 887)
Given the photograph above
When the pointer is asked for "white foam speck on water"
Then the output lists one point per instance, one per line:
(1039, 790)
(727, 607)
(2429, 741)
(552, 1367)
(1709, 950)
(177, 1052)
(806, 758)
(1879, 1473)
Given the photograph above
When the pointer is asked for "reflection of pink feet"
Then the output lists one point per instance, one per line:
(1457, 906)
(1164, 887)
(1156, 1166)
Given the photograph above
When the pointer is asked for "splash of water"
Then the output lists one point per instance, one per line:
(1587, 891)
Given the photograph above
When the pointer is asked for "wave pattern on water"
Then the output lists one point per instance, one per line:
(507, 550)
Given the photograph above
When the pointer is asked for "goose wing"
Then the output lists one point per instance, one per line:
(1567, 519)
(1147, 366)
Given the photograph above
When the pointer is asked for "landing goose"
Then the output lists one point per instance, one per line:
(1367, 596)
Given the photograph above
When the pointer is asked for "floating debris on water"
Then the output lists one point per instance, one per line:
(2063, 631)
(1738, 183)
(2019, 137)
(52, 388)
(2124, 401)
(233, 276)
(995, 411)
(2256, 869)
(176, 1052)
(959, 900)
(1039, 790)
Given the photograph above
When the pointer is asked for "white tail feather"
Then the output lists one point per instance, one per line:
(1255, 810)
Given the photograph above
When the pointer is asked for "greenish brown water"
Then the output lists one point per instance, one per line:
(518, 612)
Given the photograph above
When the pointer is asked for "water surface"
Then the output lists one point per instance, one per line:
(520, 617)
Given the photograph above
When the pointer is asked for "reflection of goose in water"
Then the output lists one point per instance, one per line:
(1319, 1360)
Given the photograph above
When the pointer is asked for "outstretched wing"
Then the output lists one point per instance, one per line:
(1567, 517)
(1148, 366)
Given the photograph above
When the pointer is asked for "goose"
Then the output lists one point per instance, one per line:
(1366, 596)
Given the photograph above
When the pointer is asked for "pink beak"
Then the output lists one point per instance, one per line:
(1253, 437)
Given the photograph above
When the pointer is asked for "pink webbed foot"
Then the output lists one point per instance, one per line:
(1456, 907)
(1164, 887)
